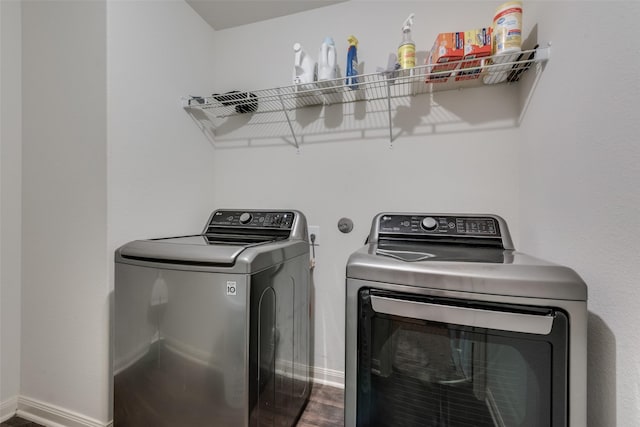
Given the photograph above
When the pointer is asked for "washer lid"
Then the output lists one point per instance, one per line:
(271, 236)
(193, 250)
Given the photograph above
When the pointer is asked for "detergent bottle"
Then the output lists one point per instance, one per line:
(352, 63)
(304, 67)
(327, 62)
(407, 48)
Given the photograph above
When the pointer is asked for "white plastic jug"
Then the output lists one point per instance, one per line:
(327, 60)
(304, 67)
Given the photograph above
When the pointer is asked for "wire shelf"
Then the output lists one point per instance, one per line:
(390, 84)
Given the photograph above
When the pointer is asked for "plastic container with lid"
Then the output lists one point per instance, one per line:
(506, 40)
(507, 28)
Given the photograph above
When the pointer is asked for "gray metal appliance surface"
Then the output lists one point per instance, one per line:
(448, 325)
(213, 329)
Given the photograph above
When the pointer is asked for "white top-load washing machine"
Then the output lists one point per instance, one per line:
(447, 325)
(213, 329)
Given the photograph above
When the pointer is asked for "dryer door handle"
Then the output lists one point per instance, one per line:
(490, 319)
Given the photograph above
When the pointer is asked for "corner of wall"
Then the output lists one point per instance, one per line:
(10, 203)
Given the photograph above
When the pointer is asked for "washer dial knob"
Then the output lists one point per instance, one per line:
(429, 223)
(245, 218)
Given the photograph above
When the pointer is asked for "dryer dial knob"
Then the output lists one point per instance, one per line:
(429, 223)
(245, 218)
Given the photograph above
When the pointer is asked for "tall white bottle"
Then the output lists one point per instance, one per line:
(304, 68)
(327, 60)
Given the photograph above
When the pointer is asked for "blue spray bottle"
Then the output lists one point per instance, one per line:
(352, 63)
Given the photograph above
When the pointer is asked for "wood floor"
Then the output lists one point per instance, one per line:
(325, 409)
(19, 422)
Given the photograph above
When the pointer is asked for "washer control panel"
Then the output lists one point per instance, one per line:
(444, 225)
(252, 219)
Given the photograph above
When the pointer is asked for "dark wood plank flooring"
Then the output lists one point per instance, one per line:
(325, 409)
(19, 422)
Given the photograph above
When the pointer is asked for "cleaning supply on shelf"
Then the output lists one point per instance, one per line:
(507, 29)
(407, 48)
(304, 68)
(352, 63)
(506, 43)
(447, 51)
(327, 60)
(477, 45)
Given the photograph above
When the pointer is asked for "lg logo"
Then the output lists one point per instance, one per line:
(231, 288)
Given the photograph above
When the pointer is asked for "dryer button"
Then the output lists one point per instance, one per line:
(245, 218)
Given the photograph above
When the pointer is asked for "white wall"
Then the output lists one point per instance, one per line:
(10, 200)
(160, 167)
(457, 154)
(64, 257)
(579, 173)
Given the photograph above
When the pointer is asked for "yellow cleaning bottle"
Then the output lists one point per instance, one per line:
(407, 48)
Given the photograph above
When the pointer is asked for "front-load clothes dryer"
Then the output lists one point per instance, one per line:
(447, 325)
(213, 329)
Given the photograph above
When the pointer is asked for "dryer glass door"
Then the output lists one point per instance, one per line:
(426, 361)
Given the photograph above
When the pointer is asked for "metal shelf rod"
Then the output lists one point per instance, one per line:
(286, 114)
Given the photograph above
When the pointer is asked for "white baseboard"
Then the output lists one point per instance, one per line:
(330, 377)
(53, 416)
(8, 408)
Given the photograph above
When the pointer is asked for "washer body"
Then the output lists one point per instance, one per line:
(448, 325)
(213, 329)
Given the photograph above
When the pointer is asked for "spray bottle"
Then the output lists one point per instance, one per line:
(407, 48)
(352, 63)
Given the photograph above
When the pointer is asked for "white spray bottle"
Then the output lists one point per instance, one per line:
(304, 67)
(327, 60)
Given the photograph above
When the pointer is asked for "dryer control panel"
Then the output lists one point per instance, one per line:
(449, 225)
(444, 228)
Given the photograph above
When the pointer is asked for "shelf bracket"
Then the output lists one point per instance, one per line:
(286, 114)
(542, 56)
